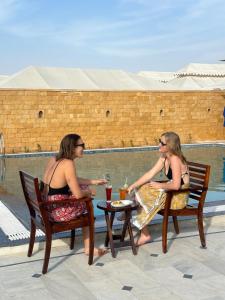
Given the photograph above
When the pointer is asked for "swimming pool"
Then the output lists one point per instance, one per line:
(119, 163)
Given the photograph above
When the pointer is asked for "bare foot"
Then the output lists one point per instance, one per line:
(143, 239)
(97, 251)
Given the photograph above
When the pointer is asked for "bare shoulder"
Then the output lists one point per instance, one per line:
(68, 163)
(175, 160)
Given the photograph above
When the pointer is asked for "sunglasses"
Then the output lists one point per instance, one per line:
(80, 145)
(163, 144)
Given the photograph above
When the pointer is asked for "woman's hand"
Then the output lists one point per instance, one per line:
(98, 181)
(89, 193)
(131, 188)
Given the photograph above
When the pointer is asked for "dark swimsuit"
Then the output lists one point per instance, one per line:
(62, 191)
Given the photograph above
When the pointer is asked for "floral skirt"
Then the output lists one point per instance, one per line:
(153, 200)
(66, 212)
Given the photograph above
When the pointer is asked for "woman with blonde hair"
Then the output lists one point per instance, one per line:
(152, 194)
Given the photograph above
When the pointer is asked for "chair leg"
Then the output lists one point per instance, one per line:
(164, 232)
(201, 230)
(175, 223)
(91, 244)
(32, 238)
(47, 253)
(72, 239)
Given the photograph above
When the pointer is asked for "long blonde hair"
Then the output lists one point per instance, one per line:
(173, 144)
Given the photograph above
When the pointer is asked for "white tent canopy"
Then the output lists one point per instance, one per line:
(202, 70)
(184, 83)
(192, 77)
(3, 77)
(160, 76)
(216, 86)
(196, 83)
(79, 79)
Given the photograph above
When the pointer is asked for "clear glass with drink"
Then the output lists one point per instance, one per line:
(123, 193)
(123, 190)
(108, 188)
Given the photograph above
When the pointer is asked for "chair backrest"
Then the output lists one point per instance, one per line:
(199, 181)
(31, 192)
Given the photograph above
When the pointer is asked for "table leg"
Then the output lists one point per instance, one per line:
(131, 238)
(127, 218)
(109, 222)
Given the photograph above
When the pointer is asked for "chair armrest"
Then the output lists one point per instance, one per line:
(189, 189)
(64, 201)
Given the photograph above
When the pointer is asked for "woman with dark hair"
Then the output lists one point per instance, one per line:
(60, 176)
(151, 194)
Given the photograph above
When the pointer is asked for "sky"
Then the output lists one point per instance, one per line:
(132, 35)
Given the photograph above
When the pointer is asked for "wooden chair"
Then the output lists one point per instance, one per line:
(199, 180)
(39, 217)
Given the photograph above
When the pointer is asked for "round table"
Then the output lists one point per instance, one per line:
(109, 217)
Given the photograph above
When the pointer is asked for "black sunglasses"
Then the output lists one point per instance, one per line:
(163, 144)
(80, 145)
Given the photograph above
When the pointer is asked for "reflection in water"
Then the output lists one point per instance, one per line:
(118, 164)
(2, 169)
(224, 169)
(2, 175)
(2, 158)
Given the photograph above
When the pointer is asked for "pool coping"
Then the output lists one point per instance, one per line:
(111, 150)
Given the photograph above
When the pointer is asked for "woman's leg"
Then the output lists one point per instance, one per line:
(97, 251)
(145, 236)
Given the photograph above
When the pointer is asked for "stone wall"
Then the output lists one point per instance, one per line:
(36, 120)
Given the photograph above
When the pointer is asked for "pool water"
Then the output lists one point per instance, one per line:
(119, 165)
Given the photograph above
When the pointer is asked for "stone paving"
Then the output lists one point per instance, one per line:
(185, 272)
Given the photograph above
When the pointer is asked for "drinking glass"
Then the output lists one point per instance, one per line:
(123, 193)
(108, 190)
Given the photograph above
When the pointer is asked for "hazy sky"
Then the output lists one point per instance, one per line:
(132, 35)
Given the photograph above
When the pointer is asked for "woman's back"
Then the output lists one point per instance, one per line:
(54, 174)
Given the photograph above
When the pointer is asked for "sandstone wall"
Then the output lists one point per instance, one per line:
(36, 120)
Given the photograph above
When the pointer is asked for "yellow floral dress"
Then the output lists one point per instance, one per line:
(152, 200)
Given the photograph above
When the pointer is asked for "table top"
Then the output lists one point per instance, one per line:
(107, 206)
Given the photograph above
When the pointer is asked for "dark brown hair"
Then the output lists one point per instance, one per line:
(173, 144)
(67, 145)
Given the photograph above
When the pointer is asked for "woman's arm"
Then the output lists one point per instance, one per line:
(72, 180)
(149, 175)
(91, 181)
(175, 165)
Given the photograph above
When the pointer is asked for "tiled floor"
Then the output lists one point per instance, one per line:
(185, 272)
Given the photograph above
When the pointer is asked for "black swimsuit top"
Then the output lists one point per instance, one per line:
(169, 174)
(65, 190)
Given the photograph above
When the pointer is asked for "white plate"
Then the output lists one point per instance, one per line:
(122, 204)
